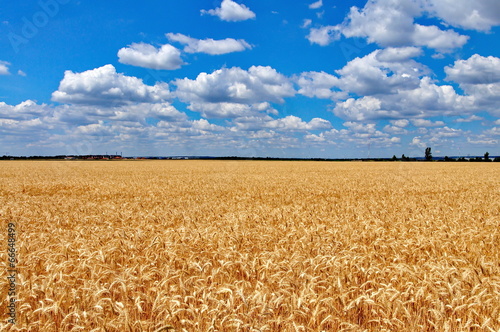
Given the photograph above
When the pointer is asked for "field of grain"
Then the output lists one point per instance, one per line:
(252, 246)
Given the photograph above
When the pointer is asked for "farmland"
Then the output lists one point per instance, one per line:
(252, 246)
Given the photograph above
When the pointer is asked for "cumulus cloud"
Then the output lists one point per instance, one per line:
(495, 131)
(230, 11)
(380, 72)
(226, 110)
(147, 56)
(104, 86)
(441, 139)
(25, 110)
(469, 119)
(318, 84)
(400, 123)
(390, 84)
(482, 140)
(475, 15)
(445, 132)
(204, 125)
(324, 35)
(390, 23)
(418, 142)
(295, 123)
(373, 74)
(235, 85)
(475, 70)
(133, 115)
(479, 77)
(398, 54)
(356, 134)
(426, 123)
(4, 68)
(288, 123)
(22, 127)
(395, 130)
(209, 46)
(161, 111)
(359, 109)
(426, 100)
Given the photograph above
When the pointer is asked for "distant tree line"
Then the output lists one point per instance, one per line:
(486, 158)
(428, 157)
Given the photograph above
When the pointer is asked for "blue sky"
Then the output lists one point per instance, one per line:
(324, 78)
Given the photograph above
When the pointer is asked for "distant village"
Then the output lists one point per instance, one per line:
(84, 157)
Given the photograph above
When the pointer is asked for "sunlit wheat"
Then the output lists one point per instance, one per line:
(253, 246)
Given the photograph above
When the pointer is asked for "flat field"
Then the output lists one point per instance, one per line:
(252, 246)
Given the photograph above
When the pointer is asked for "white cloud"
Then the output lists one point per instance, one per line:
(231, 11)
(356, 134)
(295, 123)
(204, 125)
(104, 86)
(370, 75)
(426, 100)
(395, 130)
(324, 35)
(389, 84)
(147, 56)
(443, 41)
(25, 110)
(430, 99)
(400, 123)
(306, 23)
(94, 129)
(235, 85)
(130, 115)
(441, 139)
(318, 84)
(390, 23)
(475, 70)
(479, 77)
(398, 54)
(230, 110)
(20, 127)
(495, 131)
(418, 142)
(358, 109)
(289, 123)
(21, 73)
(366, 131)
(161, 111)
(380, 72)
(481, 140)
(4, 68)
(209, 46)
(469, 119)
(475, 15)
(316, 5)
(445, 132)
(426, 123)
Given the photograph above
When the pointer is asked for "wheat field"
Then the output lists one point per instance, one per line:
(252, 245)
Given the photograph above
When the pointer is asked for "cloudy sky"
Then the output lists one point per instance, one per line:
(325, 78)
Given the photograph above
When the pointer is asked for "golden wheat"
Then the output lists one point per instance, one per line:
(253, 246)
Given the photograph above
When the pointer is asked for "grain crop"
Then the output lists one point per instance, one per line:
(252, 245)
